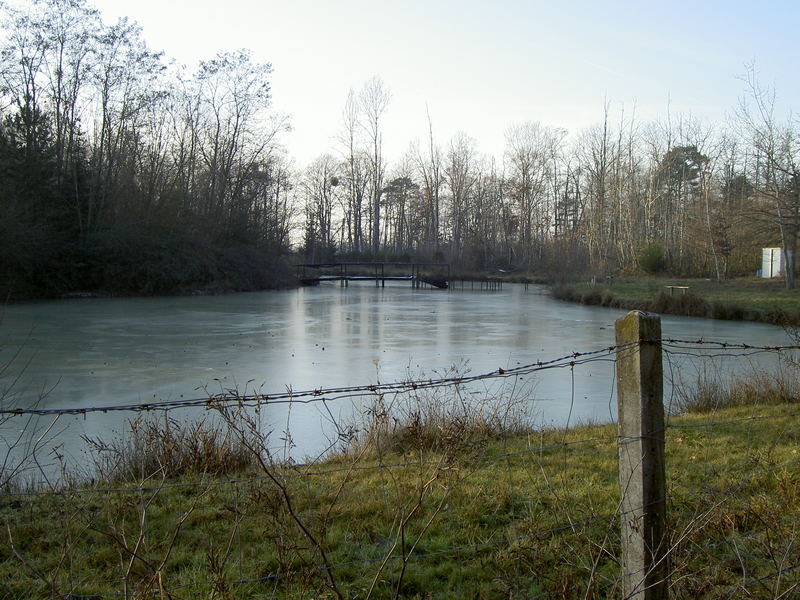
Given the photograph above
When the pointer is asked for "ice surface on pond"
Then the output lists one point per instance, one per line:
(124, 351)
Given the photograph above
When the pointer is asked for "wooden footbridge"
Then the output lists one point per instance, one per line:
(436, 275)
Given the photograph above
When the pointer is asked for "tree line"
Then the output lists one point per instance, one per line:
(124, 173)
(623, 196)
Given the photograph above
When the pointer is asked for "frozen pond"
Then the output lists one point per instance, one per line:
(107, 352)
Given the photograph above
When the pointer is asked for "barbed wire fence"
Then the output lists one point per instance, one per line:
(214, 508)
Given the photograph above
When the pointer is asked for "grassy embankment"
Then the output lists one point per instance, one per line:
(739, 299)
(478, 512)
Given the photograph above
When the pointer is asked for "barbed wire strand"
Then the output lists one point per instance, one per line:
(409, 463)
(317, 395)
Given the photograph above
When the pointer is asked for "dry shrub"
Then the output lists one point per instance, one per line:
(565, 292)
(689, 305)
(729, 311)
(712, 391)
(592, 297)
(168, 448)
(454, 420)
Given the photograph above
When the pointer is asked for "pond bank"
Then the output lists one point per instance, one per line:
(735, 300)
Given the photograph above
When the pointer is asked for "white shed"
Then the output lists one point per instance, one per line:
(771, 262)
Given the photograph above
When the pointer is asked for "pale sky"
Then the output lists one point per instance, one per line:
(481, 66)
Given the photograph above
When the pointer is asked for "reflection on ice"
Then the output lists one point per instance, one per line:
(127, 351)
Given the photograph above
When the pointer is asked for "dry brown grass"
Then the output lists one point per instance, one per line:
(163, 447)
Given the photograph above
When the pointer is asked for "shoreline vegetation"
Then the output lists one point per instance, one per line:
(437, 504)
(127, 173)
(765, 301)
(175, 268)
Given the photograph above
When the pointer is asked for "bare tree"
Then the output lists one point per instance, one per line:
(235, 133)
(402, 195)
(460, 177)
(597, 157)
(429, 167)
(530, 150)
(46, 62)
(777, 176)
(356, 172)
(123, 76)
(374, 99)
(319, 190)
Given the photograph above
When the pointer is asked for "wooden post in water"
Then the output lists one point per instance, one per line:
(641, 456)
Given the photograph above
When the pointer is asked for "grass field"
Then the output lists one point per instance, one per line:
(740, 299)
(475, 515)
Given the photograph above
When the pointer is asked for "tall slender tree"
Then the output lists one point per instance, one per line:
(374, 100)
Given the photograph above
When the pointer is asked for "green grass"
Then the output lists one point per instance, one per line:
(501, 517)
(739, 299)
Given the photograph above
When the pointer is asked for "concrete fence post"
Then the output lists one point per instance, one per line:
(641, 456)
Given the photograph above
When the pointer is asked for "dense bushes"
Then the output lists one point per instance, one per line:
(115, 188)
(132, 262)
(652, 260)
